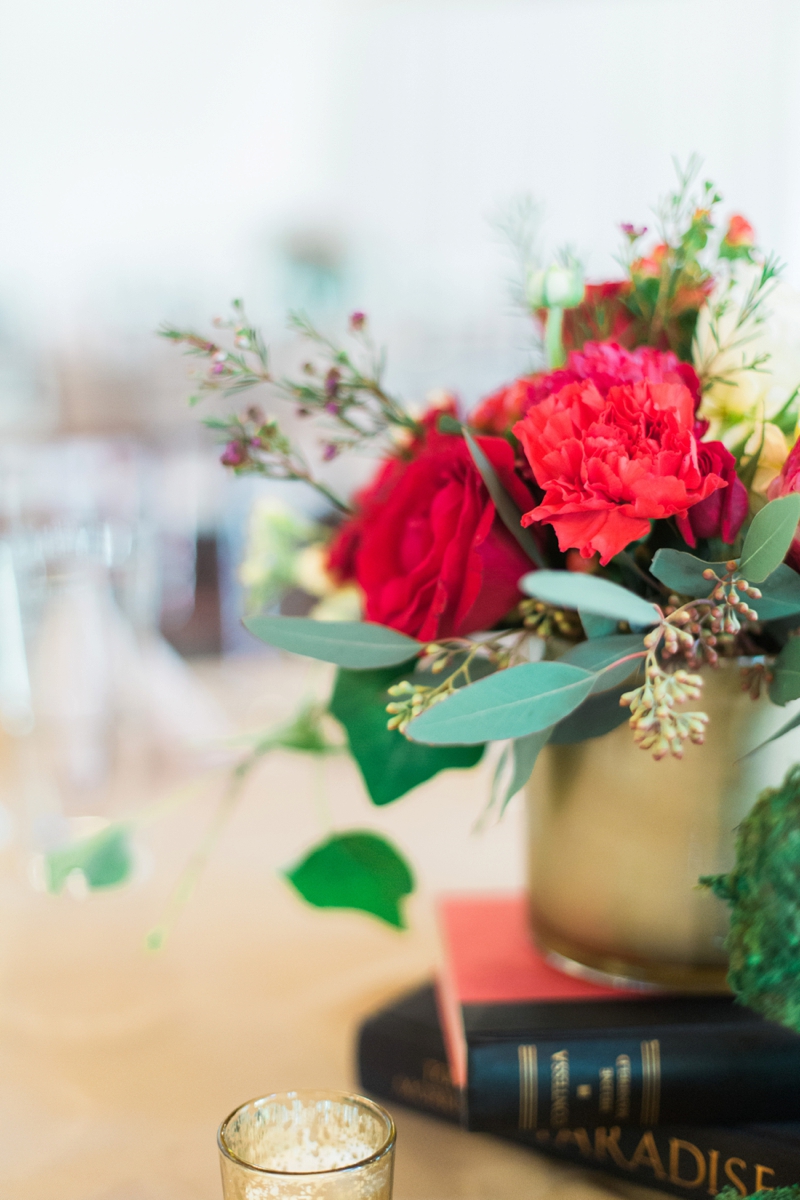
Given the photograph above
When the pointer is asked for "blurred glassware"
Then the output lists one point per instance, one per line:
(99, 718)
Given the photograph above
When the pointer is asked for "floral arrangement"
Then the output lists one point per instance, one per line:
(581, 548)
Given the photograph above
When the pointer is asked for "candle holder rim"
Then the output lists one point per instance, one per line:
(386, 1146)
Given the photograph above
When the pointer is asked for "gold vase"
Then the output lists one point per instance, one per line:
(617, 842)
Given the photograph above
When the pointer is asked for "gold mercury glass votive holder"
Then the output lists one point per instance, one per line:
(308, 1145)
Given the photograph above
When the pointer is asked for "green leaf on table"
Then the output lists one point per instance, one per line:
(359, 645)
(589, 594)
(507, 510)
(357, 870)
(780, 595)
(597, 627)
(599, 714)
(524, 753)
(785, 685)
(769, 537)
(105, 859)
(683, 572)
(390, 764)
(508, 704)
(304, 733)
(604, 655)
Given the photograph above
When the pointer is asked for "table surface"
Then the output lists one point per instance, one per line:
(117, 1065)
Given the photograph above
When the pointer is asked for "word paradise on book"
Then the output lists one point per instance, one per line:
(401, 1057)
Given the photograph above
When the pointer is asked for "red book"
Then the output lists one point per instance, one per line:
(535, 1048)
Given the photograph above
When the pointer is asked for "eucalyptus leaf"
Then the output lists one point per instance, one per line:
(597, 627)
(357, 870)
(780, 595)
(598, 715)
(791, 724)
(785, 685)
(497, 781)
(769, 537)
(603, 655)
(390, 764)
(507, 510)
(589, 594)
(105, 860)
(508, 704)
(359, 645)
(683, 572)
(524, 753)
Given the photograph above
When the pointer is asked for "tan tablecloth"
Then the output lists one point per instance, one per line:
(117, 1066)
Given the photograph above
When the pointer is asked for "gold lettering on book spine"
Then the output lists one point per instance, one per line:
(528, 1087)
(651, 1082)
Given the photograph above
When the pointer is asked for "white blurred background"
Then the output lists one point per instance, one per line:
(160, 157)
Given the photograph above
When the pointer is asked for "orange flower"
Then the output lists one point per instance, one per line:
(740, 232)
(652, 264)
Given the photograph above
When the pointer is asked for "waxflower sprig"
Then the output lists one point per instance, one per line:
(254, 444)
(344, 389)
(749, 315)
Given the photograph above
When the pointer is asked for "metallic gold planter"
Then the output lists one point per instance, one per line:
(617, 842)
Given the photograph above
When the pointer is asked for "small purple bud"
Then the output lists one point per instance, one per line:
(332, 382)
(357, 321)
(233, 455)
(332, 407)
(329, 452)
(633, 232)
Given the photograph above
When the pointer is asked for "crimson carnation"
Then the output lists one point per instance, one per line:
(605, 364)
(609, 465)
(426, 545)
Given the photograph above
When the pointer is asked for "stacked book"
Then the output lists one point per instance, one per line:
(682, 1093)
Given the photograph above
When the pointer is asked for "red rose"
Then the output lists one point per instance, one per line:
(789, 481)
(426, 545)
(605, 364)
(722, 514)
(609, 466)
(602, 315)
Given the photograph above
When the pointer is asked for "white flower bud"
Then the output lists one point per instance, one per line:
(555, 287)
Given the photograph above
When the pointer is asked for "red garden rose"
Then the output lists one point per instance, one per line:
(722, 514)
(789, 481)
(605, 364)
(426, 545)
(602, 315)
(608, 466)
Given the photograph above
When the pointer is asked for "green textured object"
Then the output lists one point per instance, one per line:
(783, 1193)
(763, 890)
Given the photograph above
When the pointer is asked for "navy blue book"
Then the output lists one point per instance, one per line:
(402, 1059)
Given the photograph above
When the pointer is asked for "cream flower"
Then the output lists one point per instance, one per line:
(774, 453)
(749, 395)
